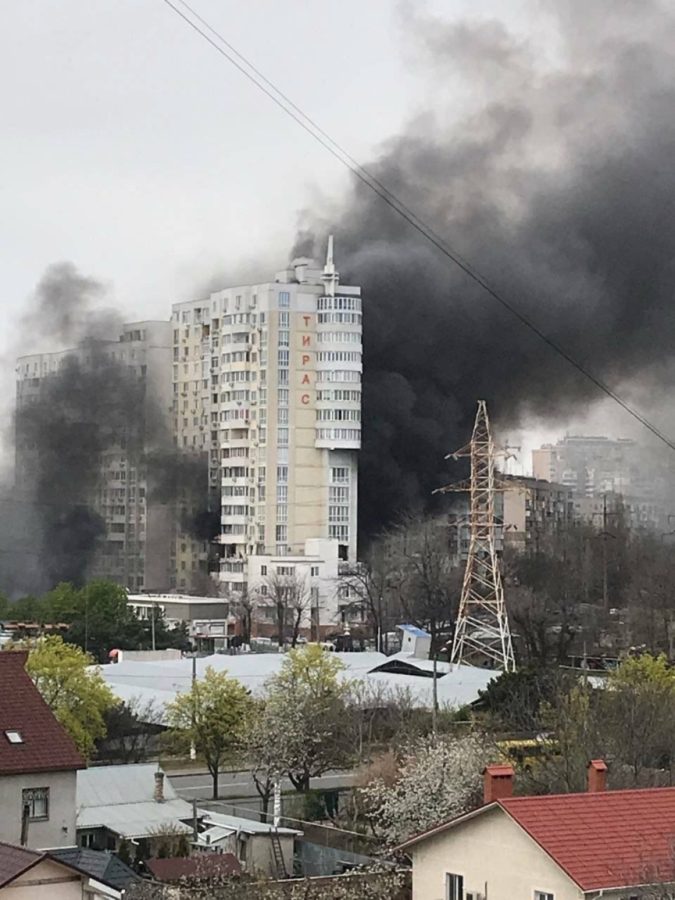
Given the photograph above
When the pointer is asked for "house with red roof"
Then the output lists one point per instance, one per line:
(614, 845)
(38, 764)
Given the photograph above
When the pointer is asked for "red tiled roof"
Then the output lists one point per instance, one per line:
(603, 840)
(16, 860)
(45, 745)
(202, 865)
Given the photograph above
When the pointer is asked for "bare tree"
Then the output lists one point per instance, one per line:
(244, 607)
(429, 585)
(290, 597)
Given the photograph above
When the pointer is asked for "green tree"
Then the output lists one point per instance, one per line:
(103, 620)
(637, 714)
(213, 716)
(77, 694)
(305, 717)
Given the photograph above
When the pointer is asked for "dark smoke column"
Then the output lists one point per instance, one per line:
(558, 186)
(86, 421)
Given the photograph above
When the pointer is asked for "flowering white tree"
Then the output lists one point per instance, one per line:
(439, 778)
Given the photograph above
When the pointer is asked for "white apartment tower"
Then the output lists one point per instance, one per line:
(267, 381)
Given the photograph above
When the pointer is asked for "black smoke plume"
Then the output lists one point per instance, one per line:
(558, 184)
(71, 423)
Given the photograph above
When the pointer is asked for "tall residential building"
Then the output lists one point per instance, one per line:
(637, 478)
(135, 550)
(591, 465)
(267, 382)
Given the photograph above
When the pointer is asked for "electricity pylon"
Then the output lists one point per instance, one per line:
(482, 628)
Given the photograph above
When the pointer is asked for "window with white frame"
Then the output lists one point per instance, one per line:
(284, 299)
(543, 895)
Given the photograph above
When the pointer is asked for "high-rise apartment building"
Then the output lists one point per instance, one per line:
(591, 465)
(267, 382)
(135, 550)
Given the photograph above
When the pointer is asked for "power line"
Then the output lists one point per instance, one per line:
(240, 62)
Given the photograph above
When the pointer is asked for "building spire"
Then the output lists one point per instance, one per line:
(330, 277)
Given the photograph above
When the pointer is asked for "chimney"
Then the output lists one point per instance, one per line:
(497, 783)
(597, 776)
(159, 786)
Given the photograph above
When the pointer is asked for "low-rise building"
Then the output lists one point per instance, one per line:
(38, 764)
(209, 620)
(30, 875)
(129, 804)
(251, 842)
(609, 844)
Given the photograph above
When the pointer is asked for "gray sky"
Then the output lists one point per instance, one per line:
(131, 148)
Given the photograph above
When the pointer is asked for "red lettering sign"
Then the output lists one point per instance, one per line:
(305, 379)
(307, 319)
(305, 358)
(305, 399)
(305, 340)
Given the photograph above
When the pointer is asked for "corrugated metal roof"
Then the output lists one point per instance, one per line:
(231, 824)
(122, 798)
(160, 681)
(414, 630)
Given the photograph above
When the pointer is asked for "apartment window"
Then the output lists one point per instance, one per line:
(37, 801)
(543, 895)
(282, 415)
(282, 493)
(282, 473)
(454, 887)
(284, 299)
(263, 570)
(282, 513)
(283, 338)
(282, 396)
(282, 376)
(282, 437)
(284, 319)
(281, 534)
(283, 358)
(314, 571)
(339, 475)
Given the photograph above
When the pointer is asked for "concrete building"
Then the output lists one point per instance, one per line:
(533, 508)
(267, 382)
(209, 620)
(136, 548)
(591, 465)
(611, 844)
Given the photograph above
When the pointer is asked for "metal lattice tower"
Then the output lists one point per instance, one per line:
(482, 628)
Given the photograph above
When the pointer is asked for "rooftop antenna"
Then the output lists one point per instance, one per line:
(482, 627)
(330, 277)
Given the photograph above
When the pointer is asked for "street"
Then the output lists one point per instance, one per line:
(240, 785)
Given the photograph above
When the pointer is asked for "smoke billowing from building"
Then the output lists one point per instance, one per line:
(558, 185)
(74, 419)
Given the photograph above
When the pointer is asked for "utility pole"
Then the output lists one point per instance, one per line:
(434, 707)
(482, 627)
(193, 749)
(152, 623)
(604, 534)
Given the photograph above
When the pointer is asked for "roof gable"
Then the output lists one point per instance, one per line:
(14, 861)
(44, 744)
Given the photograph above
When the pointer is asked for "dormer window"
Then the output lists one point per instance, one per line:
(14, 737)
